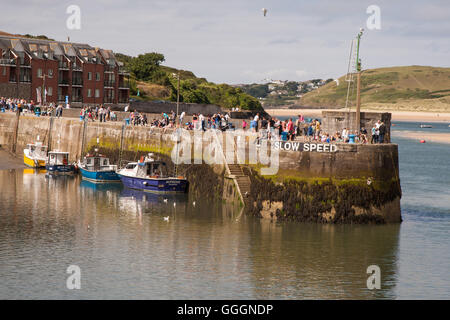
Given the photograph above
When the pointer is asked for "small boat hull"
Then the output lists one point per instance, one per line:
(60, 169)
(99, 176)
(163, 185)
(33, 163)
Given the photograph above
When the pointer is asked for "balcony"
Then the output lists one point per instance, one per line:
(123, 71)
(25, 63)
(124, 85)
(77, 98)
(61, 98)
(26, 79)
(63, 82)
(12, 78)
(7, 62)
(109, 84)
(76, 67)
(63, 65)
(110, 69)
(77, 82)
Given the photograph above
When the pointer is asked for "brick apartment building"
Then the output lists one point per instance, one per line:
(68, 71)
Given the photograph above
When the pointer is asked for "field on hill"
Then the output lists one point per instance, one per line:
(412, 88)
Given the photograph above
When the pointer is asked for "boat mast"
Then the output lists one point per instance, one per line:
(177, 125)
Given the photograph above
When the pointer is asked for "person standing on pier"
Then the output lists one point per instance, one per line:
(382, 132)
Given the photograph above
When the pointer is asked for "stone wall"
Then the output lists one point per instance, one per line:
(355, 184)
(333, 121)
(189, 108)
(15, 90)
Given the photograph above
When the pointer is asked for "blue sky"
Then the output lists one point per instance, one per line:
(232, 42)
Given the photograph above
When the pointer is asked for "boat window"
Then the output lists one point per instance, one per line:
(32, 148)
(130, 166)
(105, 162)
(89, 161)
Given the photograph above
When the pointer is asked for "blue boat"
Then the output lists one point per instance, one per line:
(151, 176)
(97, 169)
(58, 163)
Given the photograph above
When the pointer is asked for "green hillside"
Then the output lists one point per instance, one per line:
(154, 81)
(415, 88)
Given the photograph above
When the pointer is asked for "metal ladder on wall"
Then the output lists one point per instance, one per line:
(235, 172)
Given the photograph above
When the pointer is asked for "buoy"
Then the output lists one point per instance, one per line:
(422, 141)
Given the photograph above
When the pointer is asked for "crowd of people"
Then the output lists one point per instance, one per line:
(28, 106)
(97, 113)
(267, 127)
(270, 127)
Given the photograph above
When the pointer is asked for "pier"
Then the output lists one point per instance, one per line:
(314, 182)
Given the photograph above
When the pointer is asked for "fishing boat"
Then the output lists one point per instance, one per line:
(96, 168)
(150, 175)
(34, 155)
(426, 126)
(58, 163)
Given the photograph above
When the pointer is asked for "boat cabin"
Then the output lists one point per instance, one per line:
(97, 163)
(37, 150)
(147, 169)
(58, 158)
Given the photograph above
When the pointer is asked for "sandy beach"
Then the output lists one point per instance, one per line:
(438, 137)
(396, 115)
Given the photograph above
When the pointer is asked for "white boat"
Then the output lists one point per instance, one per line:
(58, 163)
(426, 126)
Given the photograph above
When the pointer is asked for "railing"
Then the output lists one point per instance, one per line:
(7, 62)
(63, 81)
(123, 70)
(77, 99)
(109, 68)
(76, 67)
(25, 79)
(24, 63)
(77, 82)
(124, 84)
(110, 83)
(63, 65)
(12, 78)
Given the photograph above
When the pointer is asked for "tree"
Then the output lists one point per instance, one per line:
(146, 66)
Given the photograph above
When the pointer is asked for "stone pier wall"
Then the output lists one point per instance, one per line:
(355, 184)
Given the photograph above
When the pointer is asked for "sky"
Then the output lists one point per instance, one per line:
(232, 42)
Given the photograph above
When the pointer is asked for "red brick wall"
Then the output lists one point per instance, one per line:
(92, 84)
(45, 65)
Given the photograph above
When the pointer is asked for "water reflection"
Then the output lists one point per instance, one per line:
(126, 249)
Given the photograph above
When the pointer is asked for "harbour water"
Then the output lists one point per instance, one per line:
(126, 250)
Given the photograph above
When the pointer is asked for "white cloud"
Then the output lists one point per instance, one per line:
(219, 40)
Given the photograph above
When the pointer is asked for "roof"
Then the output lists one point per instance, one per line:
(17, 43)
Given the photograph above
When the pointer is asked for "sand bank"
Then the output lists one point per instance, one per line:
(396, 115)
(439, 137)
(7, 161)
